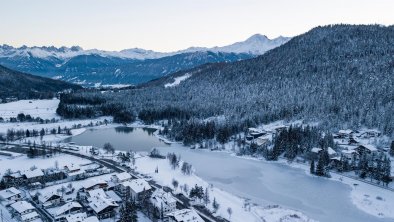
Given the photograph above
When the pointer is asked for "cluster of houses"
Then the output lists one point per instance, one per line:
(263, 137)
(35, 178)
(94, 201)
(355, 143)
(20, 209)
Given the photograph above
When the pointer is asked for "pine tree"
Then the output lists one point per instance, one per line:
(312, 168)
(386, 170)
(206, 196)
(320, 169)
(128, 212)
(215, 205)
(392, 149)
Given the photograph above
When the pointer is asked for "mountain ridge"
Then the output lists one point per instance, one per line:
(27, 86)
(139, 53)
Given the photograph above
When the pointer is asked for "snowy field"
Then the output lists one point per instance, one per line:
(45, 109)
(178, 80)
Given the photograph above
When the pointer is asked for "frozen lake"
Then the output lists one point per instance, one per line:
(122, 138)
(262, 182)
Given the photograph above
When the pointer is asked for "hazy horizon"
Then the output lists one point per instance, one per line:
(174, 24)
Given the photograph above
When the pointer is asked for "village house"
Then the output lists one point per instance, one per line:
(72, 168)
(100, 204)
(370, 134)
(136, 187)
(253, 133)
(10, 196)
(13, 178)
(314, 154)
(183, 216)
(50, 199)
(93, 184)
(24, 211)
(121, 177)
(163, 202)
(69, 208)
(262, 141)
(54, 174)
(350, 154)
(353, 141)
(32, 176)
(366, 149)
(344, 134)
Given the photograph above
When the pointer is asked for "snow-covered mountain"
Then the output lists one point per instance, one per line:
(129, 66)
(256, 45)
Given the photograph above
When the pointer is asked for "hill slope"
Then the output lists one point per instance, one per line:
(340, 75)
(26, 86)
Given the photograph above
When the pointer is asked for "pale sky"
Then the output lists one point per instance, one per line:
(168, 25)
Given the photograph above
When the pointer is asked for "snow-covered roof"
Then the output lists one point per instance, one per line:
(72, 167)
(315, 150)
(255, 130)
(16, 175)
(22, 206)
(159, 198)
(68, 206)
(185, 215)
(44, 197)
(348, 151)
(10, 192)
(348, 131)
(137, 185)
(29, 216)
(99, 201)
(93, 182)
(113, 196)
(33, 173)
(97, 192)
(123, 176)
(370, 147)
(79, 217)
(331, 151)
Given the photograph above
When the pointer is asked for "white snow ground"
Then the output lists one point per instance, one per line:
(178, 80)
(45, 109)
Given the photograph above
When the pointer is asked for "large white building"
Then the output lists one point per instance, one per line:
(163, 201)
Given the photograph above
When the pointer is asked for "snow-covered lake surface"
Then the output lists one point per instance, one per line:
(272, 183)
(262, 182)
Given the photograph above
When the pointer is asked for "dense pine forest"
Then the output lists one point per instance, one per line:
(340, 76)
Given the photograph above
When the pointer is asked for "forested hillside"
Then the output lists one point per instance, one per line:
(341, 76)
(26, 86)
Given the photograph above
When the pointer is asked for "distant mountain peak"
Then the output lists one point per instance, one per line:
(257, 37)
